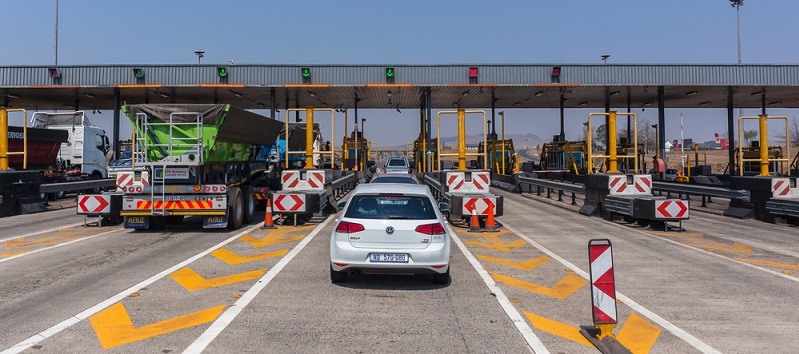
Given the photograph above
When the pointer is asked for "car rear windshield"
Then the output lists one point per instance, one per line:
(393, 180)
(390, 206)
(397, 162)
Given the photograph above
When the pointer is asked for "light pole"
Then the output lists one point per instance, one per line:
(200, 54)
(737, 5)
(55, 44)
(606, 56)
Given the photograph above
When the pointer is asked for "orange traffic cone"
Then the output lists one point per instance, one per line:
(475, 224)
(268, 224)
(490, 227)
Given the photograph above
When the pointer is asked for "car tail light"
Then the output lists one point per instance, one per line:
(431, 229)
(409, 171)
(349, 227)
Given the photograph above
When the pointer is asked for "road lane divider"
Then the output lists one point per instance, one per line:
(28, 253)
(637, 334)
(670, 327)
(21, 242)
(230, 314)
(192, 281)
(522, 326)
(85, 314)
(114, 326)
(495, 242)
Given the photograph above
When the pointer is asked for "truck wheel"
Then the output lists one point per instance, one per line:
(249, 205)
(236, 211)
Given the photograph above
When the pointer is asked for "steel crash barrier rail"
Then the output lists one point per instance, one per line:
(435, 186)
(549, 185)
(344, 185)
(77, 186)
(703, 191)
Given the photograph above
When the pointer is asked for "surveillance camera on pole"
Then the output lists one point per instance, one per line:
(200, 54)
(605, 58)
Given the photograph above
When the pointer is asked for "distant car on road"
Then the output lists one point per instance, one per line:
(397, 164)
(390, 228)
(394, 178)
(671, 173)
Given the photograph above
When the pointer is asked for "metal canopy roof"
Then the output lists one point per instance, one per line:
(337, 86)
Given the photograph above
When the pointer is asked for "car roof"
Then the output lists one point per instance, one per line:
(402, 188)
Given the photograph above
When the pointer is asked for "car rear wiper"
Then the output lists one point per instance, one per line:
(398, 217)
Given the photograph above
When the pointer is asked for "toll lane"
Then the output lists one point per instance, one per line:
(722, 302)
(302, 312)
(46, 288)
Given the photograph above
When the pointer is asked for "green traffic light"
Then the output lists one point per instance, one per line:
(306, 72)
(222, 72)
(138, 73)
(389, 72)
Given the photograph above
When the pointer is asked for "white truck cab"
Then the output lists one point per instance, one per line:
(87, 146)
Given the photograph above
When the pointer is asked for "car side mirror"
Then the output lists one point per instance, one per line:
(444, 207)
(341, 205)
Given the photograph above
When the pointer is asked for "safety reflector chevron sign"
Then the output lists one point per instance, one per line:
(289, 203)
(603, 285)
(94, 204)
(671, 209)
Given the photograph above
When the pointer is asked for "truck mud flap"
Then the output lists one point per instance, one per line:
(137, 222)
(215, 222)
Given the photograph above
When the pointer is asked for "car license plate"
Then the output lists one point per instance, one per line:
(389, 257)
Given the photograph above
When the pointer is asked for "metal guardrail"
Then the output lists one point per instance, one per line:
(435, 186)
(343, 185)
(77, 186)
(704, 191)
(549, 186)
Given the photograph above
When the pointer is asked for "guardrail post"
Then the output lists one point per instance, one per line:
(704, 203)
(574, 199)
(560, 195)
(549, 192)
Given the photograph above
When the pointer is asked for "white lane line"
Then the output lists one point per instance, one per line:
(42, 232)
(227, 317)
(55, 246)
(36, 338)
(533, 342)
(680, 333)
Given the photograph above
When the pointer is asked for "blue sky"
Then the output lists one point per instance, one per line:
(410, 32)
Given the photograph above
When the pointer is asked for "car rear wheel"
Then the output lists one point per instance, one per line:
(337, 277)
(441, 278)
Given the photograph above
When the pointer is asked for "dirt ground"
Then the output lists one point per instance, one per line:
(717, 159)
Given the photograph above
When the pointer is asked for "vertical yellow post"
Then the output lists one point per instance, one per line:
(613, 163)
(3, 139)
(309, 137)
(763, 145)
(589, 148)
(461, 139)
(503, 141)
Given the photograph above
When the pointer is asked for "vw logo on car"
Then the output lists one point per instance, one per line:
(390, 230)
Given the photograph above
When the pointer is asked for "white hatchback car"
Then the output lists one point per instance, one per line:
(390, 228)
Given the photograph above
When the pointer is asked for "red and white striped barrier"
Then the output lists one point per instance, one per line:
(641, 185)
(781, 188)
(603, 285)
(475, 181)
(314, 180)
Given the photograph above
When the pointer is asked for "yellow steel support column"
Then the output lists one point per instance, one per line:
(3, 139)
(613, 165)
(461, 139)
(309, 137)
(764, 145)
(503, 142)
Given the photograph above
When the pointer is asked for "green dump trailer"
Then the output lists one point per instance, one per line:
(199, 160)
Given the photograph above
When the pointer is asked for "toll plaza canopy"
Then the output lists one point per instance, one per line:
(402, 86)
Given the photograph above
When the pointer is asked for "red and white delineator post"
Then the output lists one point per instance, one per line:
(603, 287)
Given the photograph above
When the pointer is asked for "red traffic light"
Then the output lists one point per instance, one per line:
(555, 71)
(472, 72)
(54, 73)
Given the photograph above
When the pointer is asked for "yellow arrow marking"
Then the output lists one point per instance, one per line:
(269, 240)
(637, 334)
(693, 235)
(20, 242)
(497, 244)
(771, 264)
(114, 327)
(711, 245)
(192, 281)
(559, 329)
(232, 258)
(13, 253)
(526, 265)
(563, 289)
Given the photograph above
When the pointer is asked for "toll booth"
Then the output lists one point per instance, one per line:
(501, 155)
(564, 155)
(424, 157)
(356, 152)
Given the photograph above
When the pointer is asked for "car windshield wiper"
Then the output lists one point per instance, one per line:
(398, 217)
